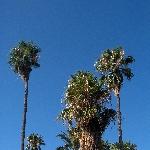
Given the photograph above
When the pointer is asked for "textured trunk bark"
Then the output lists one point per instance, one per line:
(119, 119)
(24, 114)
(89, 141)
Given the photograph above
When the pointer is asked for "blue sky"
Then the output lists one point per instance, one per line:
(72, 34)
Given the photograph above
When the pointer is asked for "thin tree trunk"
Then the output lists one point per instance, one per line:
(119, 119)
(24, 113)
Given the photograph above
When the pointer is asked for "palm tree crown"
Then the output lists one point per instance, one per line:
(23, 58)
(34, 142)
(114, 66)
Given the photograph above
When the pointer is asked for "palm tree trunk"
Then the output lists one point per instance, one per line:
(89, 141)
(119, 120)
(24, 113)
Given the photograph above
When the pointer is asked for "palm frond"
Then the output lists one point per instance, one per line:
(23, 58)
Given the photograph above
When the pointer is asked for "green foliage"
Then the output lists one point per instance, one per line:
(104, 145)
(85, 106)
(34, 142)
(124, 146)
(113, 65)
(23, 58)
(71, 142)
(116, 146)
(84, 98)
(82, 91)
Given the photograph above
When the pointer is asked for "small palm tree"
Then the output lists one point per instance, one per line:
(85, 109)
(23, 58)
(114, 67)
(34, 142)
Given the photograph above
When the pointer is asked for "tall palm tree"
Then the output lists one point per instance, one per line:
(35, 142)
(114, 67)
(23, 58)
(85, 109)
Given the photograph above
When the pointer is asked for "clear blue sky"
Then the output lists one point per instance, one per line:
(72, 34)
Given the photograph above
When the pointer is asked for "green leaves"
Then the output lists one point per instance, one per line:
(113, 65)
(34, 142)
(116, 146)
(109, 60)
(124, 146)
(128, 60)
(127, 72)
(81, 84)
(84, 101)
(81, 95)
(71, 142)
(23, 58)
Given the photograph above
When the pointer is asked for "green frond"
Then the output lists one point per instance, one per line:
(128, 60)
(34, 142)
(127, 73)
(124, 146)
(63, 136)
(70, 139)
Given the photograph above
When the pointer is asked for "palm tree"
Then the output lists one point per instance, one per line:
(34, 142)
(23, 58)
(114, 67)
(85, 109)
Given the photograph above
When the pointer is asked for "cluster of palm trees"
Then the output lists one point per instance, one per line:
(86, 97)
